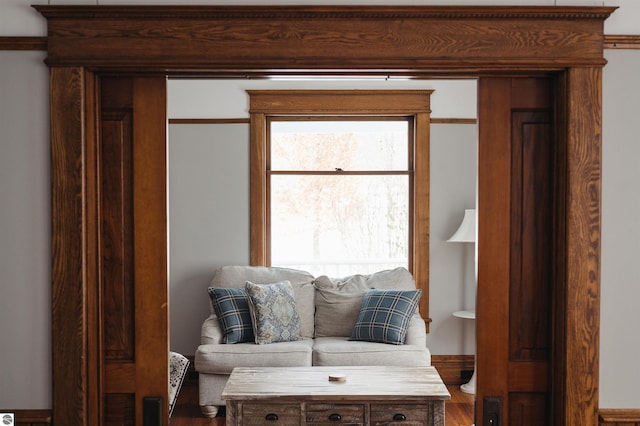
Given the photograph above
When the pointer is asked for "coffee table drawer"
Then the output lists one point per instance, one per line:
(329, 414)
(266, 414)
(403, 414)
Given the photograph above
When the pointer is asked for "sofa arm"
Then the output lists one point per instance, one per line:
(211, 333)
(417, 332)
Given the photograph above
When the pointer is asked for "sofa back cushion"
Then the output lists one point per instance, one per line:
(338, 301)
(392, 279)
(302, 282)
(338, 304)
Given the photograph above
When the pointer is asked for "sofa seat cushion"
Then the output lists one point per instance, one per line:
(222, 359)
(340, 351)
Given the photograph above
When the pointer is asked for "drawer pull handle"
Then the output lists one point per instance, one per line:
(271, 417)
(399, 417)
(335, 417)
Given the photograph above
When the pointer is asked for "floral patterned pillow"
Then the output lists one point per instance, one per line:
(273, 312)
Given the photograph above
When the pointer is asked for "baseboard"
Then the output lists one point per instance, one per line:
(30, 417)
(450, 367)
(619, 417)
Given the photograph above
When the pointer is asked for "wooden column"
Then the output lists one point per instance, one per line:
(74, 358)
(577, 343)
(494, 212)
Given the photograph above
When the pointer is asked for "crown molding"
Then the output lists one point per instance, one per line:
(325, 12)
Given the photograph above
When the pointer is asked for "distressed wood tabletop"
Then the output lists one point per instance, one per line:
(362, 383)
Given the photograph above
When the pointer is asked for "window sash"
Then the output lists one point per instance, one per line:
(399, 128)
(367, 228)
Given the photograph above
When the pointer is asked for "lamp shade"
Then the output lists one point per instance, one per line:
(466, 232)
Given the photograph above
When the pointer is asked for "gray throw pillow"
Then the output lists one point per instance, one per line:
(338, 304)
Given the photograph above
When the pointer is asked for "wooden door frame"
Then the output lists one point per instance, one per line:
(86, 41)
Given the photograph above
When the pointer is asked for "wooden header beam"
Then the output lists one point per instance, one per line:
(325, 39)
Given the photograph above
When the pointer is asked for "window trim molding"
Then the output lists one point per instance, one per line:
(407, 103)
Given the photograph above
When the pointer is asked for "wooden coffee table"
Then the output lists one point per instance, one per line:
(305, 396)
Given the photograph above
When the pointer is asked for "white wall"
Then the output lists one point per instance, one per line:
(208, 218)
(209, 198)
(191, 98)
(25, 215)
(25, 377)
(452, 283)
(619, 337)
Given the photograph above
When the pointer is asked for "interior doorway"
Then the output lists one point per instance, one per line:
(427, 41)
(209, 201)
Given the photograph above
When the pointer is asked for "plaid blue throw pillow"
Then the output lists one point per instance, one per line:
(384, 316)
(231, 305)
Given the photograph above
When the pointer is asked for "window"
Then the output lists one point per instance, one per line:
(340, 181)
(339, 194)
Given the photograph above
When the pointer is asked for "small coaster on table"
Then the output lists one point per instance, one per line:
(337, 378)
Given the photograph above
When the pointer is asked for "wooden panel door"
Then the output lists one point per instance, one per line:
(516, 220)
(132, 211)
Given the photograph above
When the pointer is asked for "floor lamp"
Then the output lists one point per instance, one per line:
(466, 233)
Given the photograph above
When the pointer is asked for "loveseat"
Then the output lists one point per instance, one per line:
(332, 325)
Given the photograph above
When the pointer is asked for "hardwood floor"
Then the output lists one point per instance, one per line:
(459, 410)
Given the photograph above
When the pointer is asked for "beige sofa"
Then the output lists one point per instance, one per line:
(328, 310)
